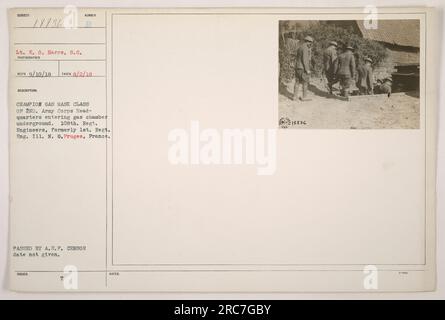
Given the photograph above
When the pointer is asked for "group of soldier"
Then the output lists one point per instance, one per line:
(337, 68)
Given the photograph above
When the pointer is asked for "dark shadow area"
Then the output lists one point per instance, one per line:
(319, 92)
(322, 93)
(414, 94)
(283, 90)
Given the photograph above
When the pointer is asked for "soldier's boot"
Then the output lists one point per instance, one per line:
(305, 98)
(346, 95)
(295, 97)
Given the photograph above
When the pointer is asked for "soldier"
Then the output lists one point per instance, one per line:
(365, 78)
(346, 69)
(377, 86)
(386, 86)
(330, 64)
(302, 68)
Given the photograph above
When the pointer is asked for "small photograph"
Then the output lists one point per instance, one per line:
(349, 74)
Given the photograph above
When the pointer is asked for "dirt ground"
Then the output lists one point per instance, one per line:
(325, 111)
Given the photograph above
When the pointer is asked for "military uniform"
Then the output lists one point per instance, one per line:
(386, 87)
(302, 68)
(330, 64)
(365, 78)
(346, 70)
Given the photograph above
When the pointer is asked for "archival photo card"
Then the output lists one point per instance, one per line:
(152, 150)
(349, 74)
